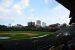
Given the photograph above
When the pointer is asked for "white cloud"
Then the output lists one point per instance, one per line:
(57, 15)
(60, 14)
(18, 7)
(14, 12)
(8, 8)
(11, 11)
(6, 3)
(48, 1)
(24, 3)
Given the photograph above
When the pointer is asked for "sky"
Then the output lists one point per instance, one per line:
(22, 11)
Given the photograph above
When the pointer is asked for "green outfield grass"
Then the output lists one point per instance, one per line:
(23, 34)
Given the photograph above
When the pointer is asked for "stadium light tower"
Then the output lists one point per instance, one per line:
(70, 5)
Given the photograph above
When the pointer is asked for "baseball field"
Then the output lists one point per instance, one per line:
(23, 34)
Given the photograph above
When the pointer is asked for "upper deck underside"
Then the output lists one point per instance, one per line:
(70, 5)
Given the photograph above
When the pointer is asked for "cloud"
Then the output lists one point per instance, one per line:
(51, 3)
(14, 12)
(6, 3)
(21, 4)
(19, 7)
(10, 11)
(60, 14)
(24, 3)
(48, 1)
(8, 8)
